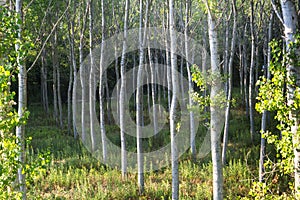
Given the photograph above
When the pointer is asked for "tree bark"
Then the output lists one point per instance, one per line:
(83, 77)
(251, 73)
(229, 92)
(265, 113)
(44, 85)
(59, 101)
(22, 101)
(122, 95)
(54, 77)
(101, 75)
(245, 68)
(173, 114)
(72, 43)
(70, 90)
(191, 102)
(290, 19)
(215, 115)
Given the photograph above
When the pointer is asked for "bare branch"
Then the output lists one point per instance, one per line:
(45, 42)
(276, 12)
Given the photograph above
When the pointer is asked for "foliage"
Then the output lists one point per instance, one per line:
(75, 174)
(9, 119)
(9, 149)
(273, 97)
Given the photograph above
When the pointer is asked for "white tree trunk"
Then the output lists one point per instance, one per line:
(290, 19)
(153, 90)
(251, 74)
(173, 114)
(245, 68)
(116, 62)
(101, 75)
(44, 87)
(74, 65)
(139, 106)
(70, 92)
(139, 98)
(214, 109)
(191, 102)
(54, 72)
(122, 95)
(60, 112)
(265, 113)
(22, 84)
(229, 92)
(169, 78)
(83, 77)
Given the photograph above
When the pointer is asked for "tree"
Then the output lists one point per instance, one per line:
(74, 64)
(55, 76)
(191, 103)
(139, 98)
(122, 94)
(230, 74)
(10, 149)
(82, 18)
(101, 100)
(251, 72)
(173, 114)
(215, 117)
(265, 112)
(290, 20)
(22, 84)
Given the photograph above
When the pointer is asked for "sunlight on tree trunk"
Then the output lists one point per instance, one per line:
(22, 101)
(122, 95)
(215, 118)
(290, 19)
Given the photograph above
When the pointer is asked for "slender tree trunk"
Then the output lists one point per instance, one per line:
(290, 19)
(226, 50)
(173, 114)
(122, 95)
(70, 92)
(116, 63)
(70, 78)
(54, 84)
(251, 73)
(153, 90)
(72, 43)
(83, 77)
(118, 85)
(148, 93)
(245, 68)
(60, 112)
(241, 71)
(101, 75)
(22, 101)
(215, 118)
(169, 78)
(108, 109)
(191, 102)
(229, 93)
(139, 98)
(44, 87)
(139, 108)
(265, 113)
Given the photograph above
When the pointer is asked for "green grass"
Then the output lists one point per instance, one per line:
(74, 174)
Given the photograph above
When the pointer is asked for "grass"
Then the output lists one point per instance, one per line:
(74, 174)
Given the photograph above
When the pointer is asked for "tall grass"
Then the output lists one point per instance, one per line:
(74, 174)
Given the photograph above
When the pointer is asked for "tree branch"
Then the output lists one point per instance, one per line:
(276, 12)
(48, 37)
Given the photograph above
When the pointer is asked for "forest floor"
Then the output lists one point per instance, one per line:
(73, 173)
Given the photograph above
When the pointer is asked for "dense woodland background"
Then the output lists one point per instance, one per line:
(252, 50)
